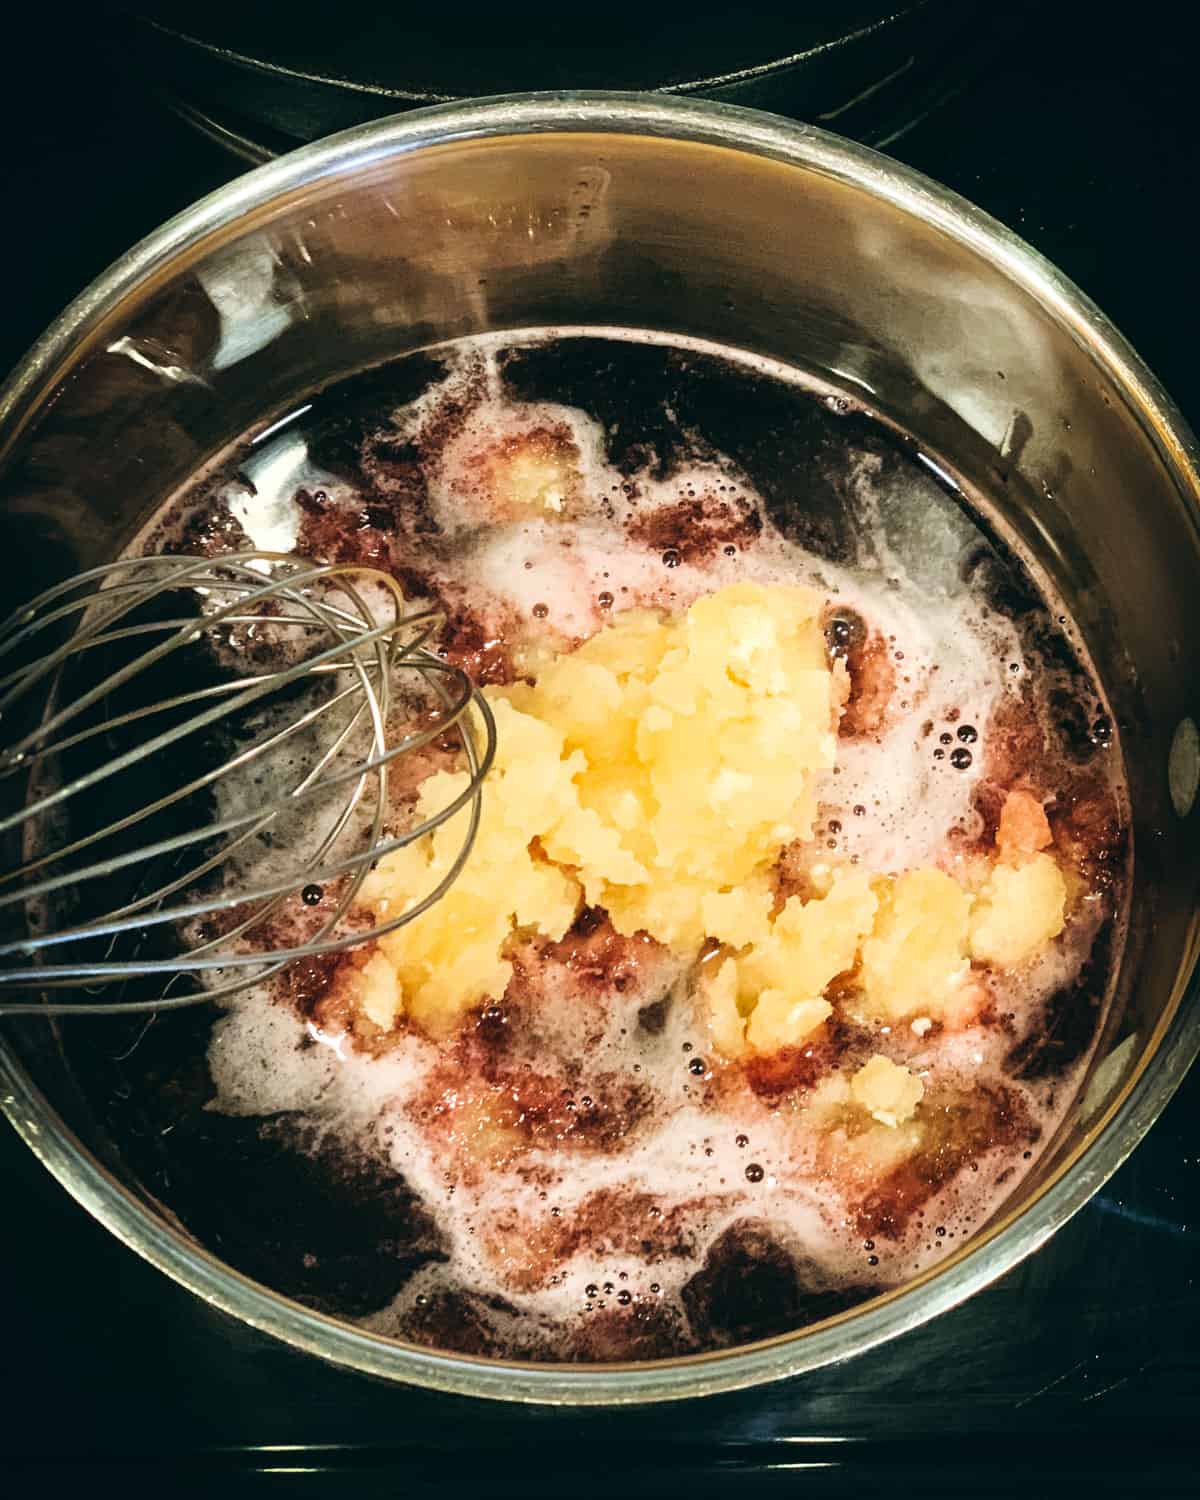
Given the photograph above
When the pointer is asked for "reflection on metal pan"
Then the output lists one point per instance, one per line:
(260, 81)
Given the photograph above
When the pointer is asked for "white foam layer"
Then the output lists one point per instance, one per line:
(687, 1159)
(551, 574)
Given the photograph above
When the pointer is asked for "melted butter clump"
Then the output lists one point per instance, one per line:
(663, 762)
(1020, 908)
(888, 1092)
(916, 959)
(770, 994)
(657, 771)
(538, 472)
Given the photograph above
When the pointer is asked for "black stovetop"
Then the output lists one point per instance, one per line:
(1080, 1367)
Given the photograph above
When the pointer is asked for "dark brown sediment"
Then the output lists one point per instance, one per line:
(697, 527)
(750, 1287)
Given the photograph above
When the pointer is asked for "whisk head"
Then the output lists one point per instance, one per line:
(196, 773)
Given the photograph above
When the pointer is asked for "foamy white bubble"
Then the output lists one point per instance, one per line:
(948, 675)
(563, 583)
(258, 1032)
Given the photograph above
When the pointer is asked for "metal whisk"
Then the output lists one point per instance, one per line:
(191, 744)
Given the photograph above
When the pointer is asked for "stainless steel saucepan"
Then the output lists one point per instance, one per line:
(701, 219)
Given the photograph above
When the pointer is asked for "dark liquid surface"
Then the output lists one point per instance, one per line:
(328, 1220)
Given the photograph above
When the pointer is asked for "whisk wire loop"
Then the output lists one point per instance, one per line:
(244, 790)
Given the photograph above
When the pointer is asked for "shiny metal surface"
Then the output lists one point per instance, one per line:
(263, 79)
(713, 222)
(129, 791)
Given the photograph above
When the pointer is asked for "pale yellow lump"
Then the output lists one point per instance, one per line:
(663, 762)
(657, 771)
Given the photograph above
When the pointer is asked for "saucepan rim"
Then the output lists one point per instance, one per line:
(1111, 1138)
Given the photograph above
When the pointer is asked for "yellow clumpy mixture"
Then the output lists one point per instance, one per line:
(657, 771)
